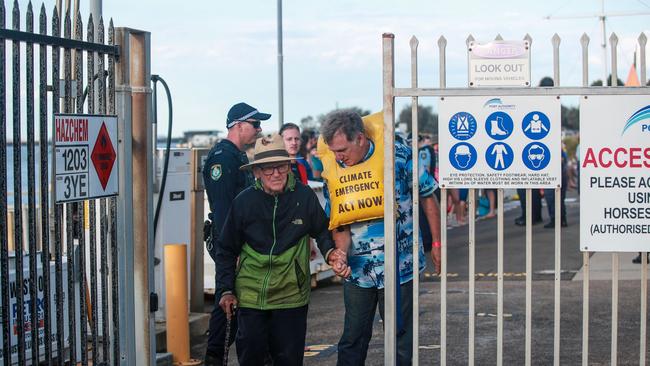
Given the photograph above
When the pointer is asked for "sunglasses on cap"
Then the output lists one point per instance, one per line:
(254, 123)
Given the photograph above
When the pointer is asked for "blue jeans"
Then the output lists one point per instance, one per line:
(360, 307)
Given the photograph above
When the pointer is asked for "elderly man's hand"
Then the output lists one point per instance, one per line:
(228, 303)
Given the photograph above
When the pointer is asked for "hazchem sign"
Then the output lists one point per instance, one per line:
(615, 173)
(500, 142)
(85, 156)
(499, 63)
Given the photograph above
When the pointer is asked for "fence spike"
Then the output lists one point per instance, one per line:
(2, 14)
(56, 24)
(498, 37)
(100, 30)
(556, 39)
(528, 38)
(613, 41)
(414, 42)
(643, 40)
(414, 61)
(442, 45)
(111, 32)
(469, 40)
(78, 33)
(442, 42)
(29, 21)
(556, 59)
(15, 16)
(584, 42)
(90, 31)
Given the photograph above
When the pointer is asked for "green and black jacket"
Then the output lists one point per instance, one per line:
(270, 235)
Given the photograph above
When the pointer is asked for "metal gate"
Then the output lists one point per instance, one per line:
(60, 267)
(390, 92)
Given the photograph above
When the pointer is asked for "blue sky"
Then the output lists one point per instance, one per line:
(216, 53)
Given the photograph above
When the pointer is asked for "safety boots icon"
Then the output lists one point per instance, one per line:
(496, 127)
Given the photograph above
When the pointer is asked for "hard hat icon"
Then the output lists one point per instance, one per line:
(463, 150)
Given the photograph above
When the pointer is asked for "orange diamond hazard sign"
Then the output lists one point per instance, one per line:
(103, 156)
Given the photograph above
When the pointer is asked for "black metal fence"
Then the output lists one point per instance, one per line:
(51, 243)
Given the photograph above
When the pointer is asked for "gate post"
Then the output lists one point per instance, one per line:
(135, 223)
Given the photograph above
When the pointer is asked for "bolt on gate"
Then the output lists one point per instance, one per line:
(390, 92)
(59, 269)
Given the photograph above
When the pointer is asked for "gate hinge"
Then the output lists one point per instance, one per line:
(153, 302)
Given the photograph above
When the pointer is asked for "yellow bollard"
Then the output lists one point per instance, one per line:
(178, 324)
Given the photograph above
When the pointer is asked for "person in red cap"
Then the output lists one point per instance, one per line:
(223, 181)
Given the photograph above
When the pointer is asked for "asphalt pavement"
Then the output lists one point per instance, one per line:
(325, 322)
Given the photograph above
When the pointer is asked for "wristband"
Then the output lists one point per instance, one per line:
(436, 244)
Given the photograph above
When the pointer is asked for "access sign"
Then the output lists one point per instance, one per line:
(615, 173)
(85, 157)
(500, 142)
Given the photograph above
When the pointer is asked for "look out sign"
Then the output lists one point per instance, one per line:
(85, 157)
(499, 63)
(615, 173)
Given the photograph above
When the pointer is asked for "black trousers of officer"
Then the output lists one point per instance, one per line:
(217, 332)
(279, 333)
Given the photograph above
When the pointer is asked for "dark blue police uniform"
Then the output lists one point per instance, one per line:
(223, 181)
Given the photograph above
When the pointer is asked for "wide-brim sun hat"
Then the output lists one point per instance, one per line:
(269, 150)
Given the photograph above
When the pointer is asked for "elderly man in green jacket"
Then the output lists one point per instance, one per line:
(268, 229)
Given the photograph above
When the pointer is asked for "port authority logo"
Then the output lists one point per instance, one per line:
(642, 115)
(497, 103)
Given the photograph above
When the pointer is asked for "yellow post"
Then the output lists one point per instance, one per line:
(178, 326)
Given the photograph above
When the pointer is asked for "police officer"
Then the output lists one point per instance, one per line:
(223, 181)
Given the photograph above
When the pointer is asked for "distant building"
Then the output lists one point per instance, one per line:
(205, 138)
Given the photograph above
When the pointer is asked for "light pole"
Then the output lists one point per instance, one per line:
(601, 17)
(280, 70)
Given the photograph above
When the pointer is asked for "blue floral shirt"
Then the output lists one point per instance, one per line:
(366, 253)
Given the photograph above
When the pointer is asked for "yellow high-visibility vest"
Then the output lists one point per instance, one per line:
(356, 192)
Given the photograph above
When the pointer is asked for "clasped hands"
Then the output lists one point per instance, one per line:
(338, 259)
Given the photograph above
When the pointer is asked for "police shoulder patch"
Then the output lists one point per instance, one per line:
(215, 172)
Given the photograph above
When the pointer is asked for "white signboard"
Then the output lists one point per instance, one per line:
(499, 63)
(500, 142)
(85, 157)
(615, 173)
(27, 312)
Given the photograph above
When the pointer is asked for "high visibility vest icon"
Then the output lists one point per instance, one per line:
(462, 126)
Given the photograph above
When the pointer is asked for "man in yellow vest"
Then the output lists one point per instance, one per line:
(352, 152)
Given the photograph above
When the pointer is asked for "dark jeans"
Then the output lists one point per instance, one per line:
(217, 332)
(549, 195)
(280, 333)
(536, 203)
(360, 307)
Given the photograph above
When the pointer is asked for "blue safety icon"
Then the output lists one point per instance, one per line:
(499, 156)
(536, 156)
(536, 125)
(499, 125)
(462, 156)
(462, 126)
